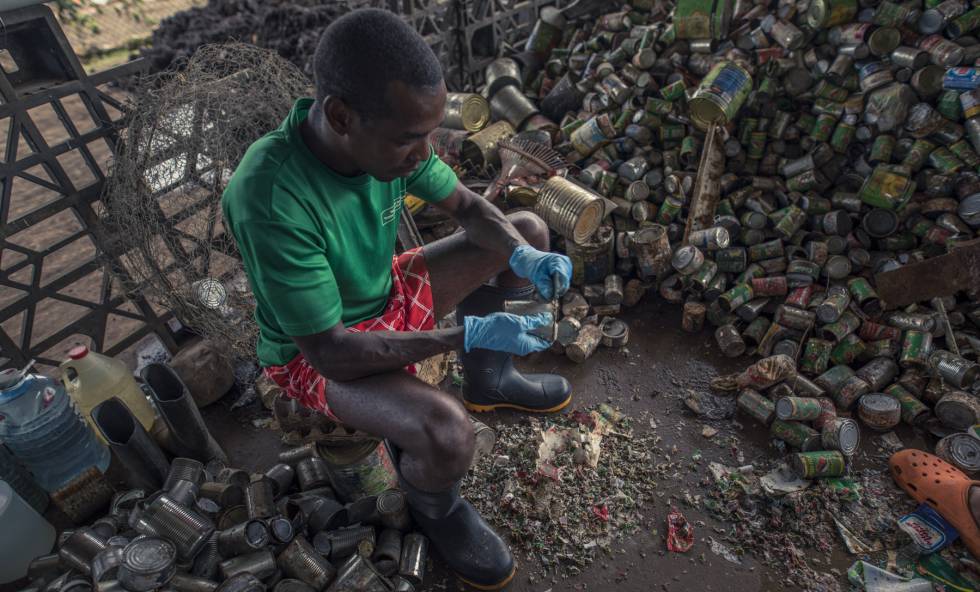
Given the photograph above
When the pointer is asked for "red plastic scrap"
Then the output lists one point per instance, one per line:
(601, 512)
(583, 418)
(680, 533)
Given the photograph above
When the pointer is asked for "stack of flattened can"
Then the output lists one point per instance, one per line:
(828, 141)
(220, 529)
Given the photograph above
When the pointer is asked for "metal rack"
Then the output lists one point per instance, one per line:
(55, 254)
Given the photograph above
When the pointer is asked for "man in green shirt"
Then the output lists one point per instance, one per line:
(314, 207)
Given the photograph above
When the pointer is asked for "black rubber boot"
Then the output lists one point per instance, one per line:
(189, 434)
(462, 538)
(492, 382)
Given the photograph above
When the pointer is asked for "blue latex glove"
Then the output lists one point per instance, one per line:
(538, 266)
(502, 331)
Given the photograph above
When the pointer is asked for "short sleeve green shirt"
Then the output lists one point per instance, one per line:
(316, 245)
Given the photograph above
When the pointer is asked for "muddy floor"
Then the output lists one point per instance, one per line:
(652, 375)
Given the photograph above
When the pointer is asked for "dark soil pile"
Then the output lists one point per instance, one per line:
(290, 28)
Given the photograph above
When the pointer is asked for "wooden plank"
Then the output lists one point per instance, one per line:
(707, 185)
(940, 276)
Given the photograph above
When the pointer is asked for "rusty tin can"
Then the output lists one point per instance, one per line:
(756, 406)
(914, 412)
(796, 434)
(879, 411)
(960, 450)
(916, 347)
(841, 434)
(849, 392)
(798, 409)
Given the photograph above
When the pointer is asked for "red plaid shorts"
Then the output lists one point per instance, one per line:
(409, 308)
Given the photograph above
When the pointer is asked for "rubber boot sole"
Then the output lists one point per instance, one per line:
(485, 408)
(502, 584)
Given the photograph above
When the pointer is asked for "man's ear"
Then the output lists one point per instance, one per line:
(338, 114)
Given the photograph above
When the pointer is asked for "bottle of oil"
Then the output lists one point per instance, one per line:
(91, 378)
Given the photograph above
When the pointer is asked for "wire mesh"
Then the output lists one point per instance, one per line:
(188, 131)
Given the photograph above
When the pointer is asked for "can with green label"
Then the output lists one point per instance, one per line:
(756, 406)
(914, 411)
(735, 297)
(674, 91)
(816, 356)
(720, 94)
(847, 350)
(796, 434)
(819, 464)
(888, 187)
(881, 149)
(798, 409)
(916, 347)
(965, 153)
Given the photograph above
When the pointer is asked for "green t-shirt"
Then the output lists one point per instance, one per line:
(316, 245)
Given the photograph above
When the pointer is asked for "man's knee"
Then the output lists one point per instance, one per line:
(532, 228)
(450, 437)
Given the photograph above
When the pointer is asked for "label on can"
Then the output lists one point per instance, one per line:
(961, 78)
(823, 463)
(720, 94)
(887, 188)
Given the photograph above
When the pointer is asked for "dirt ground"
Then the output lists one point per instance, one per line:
(651, 374)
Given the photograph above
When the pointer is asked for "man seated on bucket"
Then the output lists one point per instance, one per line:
(314, 207)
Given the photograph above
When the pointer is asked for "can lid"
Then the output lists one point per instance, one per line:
(964, 450)
(931, 21)
(256, 533)
(880, 222)
(848, 435)
(78, 352)
(784, 408)
(149, 555)
(683, 257)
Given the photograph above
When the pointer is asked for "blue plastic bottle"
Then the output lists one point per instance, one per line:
(41, 428)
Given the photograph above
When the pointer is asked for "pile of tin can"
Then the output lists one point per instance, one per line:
(760, 163)
(215, 528)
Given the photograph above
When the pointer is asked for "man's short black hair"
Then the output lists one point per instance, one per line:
(360, 53)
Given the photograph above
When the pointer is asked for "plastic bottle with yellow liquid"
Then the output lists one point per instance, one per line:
(91, 378)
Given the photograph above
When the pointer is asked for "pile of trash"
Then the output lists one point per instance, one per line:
(566, 487)
(290, 28)
(804, 179)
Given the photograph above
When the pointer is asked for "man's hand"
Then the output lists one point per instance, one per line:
(501, 331)
(539, 267)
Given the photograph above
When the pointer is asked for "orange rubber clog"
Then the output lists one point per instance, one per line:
(931, 480)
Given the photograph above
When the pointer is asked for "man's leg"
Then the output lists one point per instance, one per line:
(457, 267)
(459, 271)
(435, 438)
(429, 427)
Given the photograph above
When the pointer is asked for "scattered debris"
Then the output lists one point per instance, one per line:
(680, 533)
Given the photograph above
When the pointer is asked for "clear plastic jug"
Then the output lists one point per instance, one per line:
(41, 428)
(24, 536)
(91, 378)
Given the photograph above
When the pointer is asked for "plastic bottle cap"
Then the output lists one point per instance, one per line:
(78, 352)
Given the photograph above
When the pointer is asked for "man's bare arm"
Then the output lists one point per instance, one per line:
(341, 356)
(485, 225)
